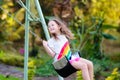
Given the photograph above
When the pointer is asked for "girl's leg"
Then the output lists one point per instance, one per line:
(90, 67)
(83, 67)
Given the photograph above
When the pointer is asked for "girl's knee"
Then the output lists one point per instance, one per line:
(90, 64)
(84, 66)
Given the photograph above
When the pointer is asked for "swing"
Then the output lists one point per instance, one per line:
(63, 67)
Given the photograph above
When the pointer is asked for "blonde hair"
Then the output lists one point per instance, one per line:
(64, 29)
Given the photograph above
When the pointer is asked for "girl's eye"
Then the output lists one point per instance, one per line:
(52, 25)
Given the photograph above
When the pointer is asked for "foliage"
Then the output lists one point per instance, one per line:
(79, 75)
(43, 64)
(33, 51)
(31, 70)
(115, 75)
(104, 66)
(46, 6)
(8, 78)
(89, 35)
(10, 29)
(46, 69)
(12, 59)
(110, 9)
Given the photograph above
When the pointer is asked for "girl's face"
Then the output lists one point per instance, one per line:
(53, 27)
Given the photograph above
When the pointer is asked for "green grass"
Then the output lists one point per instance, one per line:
(2, 77)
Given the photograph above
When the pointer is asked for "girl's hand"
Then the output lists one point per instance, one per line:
(44, 43)
(49, 51)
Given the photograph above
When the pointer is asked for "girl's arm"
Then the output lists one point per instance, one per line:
(48, 49)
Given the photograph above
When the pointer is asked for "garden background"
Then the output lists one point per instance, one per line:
(95, 24)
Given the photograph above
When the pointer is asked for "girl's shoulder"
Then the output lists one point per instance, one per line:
(64, 38)
(60, 37)
(51, 40)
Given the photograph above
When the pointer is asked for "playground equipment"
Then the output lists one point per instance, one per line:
(27, 20)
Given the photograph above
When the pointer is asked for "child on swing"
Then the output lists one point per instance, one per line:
(60, 35)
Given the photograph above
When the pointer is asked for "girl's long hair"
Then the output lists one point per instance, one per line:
(64, 29)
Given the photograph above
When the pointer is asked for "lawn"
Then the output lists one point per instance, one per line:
(2, 77)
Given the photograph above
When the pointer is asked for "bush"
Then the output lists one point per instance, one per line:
(31, 70)
(103, 67)
(115, 75)
(79, 75)
(11, 59)
(46, 69)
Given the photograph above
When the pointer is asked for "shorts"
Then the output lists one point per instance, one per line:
(74, 59)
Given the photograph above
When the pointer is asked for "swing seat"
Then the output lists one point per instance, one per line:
(63, 66)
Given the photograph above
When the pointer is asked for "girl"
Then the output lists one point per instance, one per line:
(60, 35)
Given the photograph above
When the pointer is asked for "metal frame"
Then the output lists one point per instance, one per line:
(28, 14)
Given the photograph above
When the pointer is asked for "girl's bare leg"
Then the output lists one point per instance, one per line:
(83, 67)
(90, 67)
